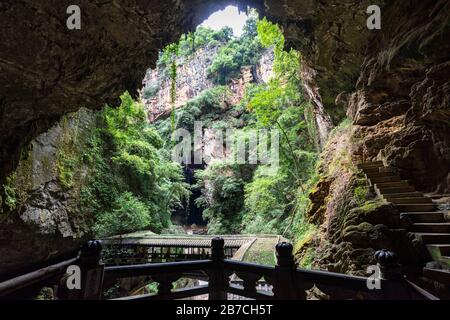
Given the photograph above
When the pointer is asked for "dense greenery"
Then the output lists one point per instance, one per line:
(236, 198)
(276, 203)
(191, 42)
(223, 196)
(254, 198)
(132, 186)
(243, 51)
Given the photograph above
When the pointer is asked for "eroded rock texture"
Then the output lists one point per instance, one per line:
(47, 70)
(401, 115)
(400, 103)
(353, 221)
(46, 219)
(192, 79)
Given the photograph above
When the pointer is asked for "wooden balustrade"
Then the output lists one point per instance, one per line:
(285, 280)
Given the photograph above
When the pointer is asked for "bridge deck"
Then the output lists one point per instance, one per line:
(247, 248)
(175, 242)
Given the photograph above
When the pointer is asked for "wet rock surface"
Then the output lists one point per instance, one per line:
(393, 83)
(46, 220)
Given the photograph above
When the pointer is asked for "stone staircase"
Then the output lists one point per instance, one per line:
(419, 214)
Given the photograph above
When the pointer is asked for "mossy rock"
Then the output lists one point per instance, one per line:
(375, 212)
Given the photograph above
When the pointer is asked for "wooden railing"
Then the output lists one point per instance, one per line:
(285, 280)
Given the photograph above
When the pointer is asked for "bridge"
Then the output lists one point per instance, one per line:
(147, 247)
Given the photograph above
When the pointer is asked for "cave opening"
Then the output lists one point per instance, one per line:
(223, 25)
(234, 73)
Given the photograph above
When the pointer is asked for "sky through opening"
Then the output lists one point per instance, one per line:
(229, 17)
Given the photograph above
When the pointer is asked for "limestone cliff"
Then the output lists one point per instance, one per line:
(192, 80)
(43, 219)
(393, 82)
(401, 115)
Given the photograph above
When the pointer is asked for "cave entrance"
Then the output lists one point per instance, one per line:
(233, 74)
(164, 98)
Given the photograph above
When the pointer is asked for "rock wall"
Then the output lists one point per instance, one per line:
(401, 115)
(192, 79)
(393, 82)
(45, 220)
(353, 221)
(401, 105)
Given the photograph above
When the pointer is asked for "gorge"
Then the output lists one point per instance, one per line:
(361, 96)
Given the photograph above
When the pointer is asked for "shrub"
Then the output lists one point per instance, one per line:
(128, 214)
(132, 185)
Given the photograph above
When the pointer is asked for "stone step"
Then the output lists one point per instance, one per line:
(439, 196)
(407, 200)
(417, 207)
(434, 227)
(371, 171)
(392, 184)
(384, 191)
(438, 275)
(386, 170)
(370, 164)
(424, 217)
(434, 238)
(415, 194)
(375, 174)
(383, 179)
(444, 249)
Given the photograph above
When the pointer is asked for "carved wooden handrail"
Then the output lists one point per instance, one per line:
(33, 278)
(286, 282)
(156, 269)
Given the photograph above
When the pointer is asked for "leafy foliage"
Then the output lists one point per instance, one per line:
(203, 37)
(239, 52)
(286, 64)
(224, 198)
(251, 198)
(128, 214)
(276, 203)
(9, 194)
(133, 187)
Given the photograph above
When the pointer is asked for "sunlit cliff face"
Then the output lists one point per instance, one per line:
(393, 82)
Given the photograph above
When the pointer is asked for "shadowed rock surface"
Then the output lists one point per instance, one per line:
(393, 83)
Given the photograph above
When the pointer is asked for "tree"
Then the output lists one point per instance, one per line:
(132, 185)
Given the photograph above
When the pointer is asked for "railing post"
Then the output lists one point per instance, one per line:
(285, 284)
(393, 282)
(92, 270)
(217, 282)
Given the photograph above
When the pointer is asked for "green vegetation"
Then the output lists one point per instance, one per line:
(245, 198)
(67, 156)
(10, 198)
(191, 42)
(207, 107)
(132, 185)
(150, 92)
(223, 196)
(243, 51)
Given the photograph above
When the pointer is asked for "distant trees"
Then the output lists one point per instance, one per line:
(132, 186)
(245, 50)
